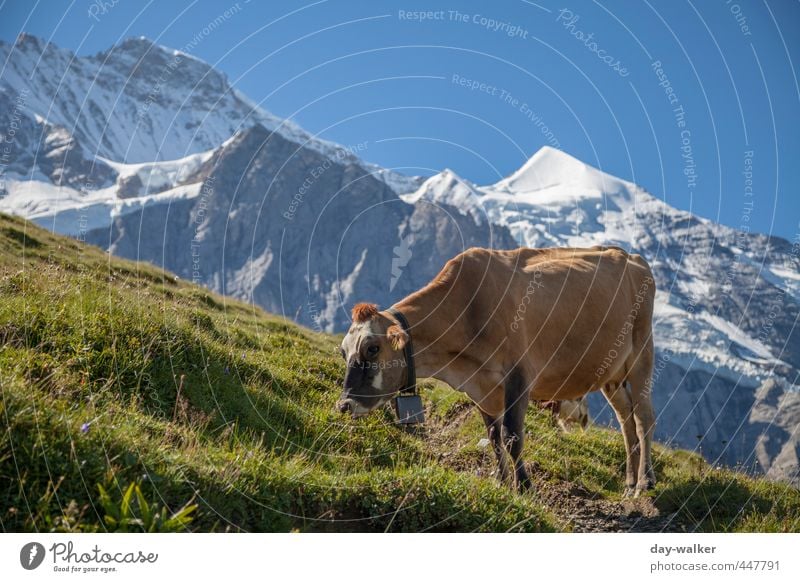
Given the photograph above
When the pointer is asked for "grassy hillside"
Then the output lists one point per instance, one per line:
(136, 401)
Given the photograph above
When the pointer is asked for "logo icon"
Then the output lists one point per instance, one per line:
(402, 254)
(31, 555)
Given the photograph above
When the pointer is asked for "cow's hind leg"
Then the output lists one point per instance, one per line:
(641, 381)
(516, 404)
(620, 400)
(494, 427)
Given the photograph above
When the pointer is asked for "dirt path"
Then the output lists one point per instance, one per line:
(583, 511)
(578, 509)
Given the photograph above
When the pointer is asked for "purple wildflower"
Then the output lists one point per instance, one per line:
(85, 427)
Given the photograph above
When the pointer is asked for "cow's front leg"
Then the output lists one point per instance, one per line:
(516, 397)
(494, 428)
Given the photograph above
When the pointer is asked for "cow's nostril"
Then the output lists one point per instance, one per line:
(343, 405)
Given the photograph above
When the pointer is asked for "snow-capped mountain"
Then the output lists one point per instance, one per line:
(151, 154)
(557, 200)
(91, 122)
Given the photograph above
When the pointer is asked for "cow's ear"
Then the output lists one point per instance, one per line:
(397, 336)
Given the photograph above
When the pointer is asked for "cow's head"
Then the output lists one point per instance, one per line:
(573, 412)
(376, 364)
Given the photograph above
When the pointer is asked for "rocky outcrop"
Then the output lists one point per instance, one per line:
(297, 233)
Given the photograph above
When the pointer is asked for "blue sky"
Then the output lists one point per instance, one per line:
(478, 87)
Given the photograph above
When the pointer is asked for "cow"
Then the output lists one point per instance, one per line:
(505, 327)
(568, 413)
(573, 413)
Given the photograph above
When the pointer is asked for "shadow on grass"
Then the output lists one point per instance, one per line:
(716, 502)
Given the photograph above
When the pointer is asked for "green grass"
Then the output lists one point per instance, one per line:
(138, 402)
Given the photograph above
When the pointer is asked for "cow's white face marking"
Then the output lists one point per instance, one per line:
(355, 337)
(377, 382)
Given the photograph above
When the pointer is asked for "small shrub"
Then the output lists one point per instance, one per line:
(134, 513)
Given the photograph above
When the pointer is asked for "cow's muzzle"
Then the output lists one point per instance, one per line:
(355, 408)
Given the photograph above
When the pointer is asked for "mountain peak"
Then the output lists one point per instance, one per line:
(136, 44)
(449, 188)
(32, 44)
(551, 155)
(447, 175)
(141, 48)
(136, 40)
(28, 39)
(550, 167)
(546, 167)
(444, 181)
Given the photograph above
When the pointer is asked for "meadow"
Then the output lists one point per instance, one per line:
(132, 400)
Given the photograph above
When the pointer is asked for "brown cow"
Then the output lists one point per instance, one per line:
(507, 326)
(568, 413)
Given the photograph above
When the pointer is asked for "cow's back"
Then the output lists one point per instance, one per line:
(567, 318)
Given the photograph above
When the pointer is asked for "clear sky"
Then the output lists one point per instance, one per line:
(478, 87)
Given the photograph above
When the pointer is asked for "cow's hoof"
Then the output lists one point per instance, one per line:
(630, 491)
(643, 487)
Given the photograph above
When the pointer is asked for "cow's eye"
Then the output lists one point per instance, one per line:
(373, 350)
